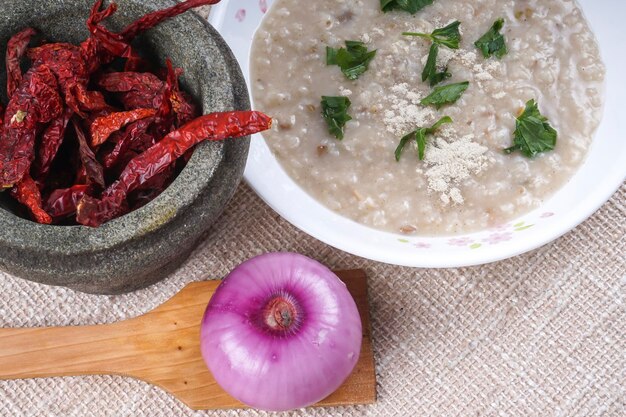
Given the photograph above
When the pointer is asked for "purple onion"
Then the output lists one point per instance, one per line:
(281, 332)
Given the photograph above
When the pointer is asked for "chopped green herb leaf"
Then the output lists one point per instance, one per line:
(493, 42)
(405, 139)
(430, 70)
(448, 36)
(533, 133)
(331, 56)
(420, 138)
(353, 60)
(445, 94)
(411, 6)
(335, 112)
(431, 64)
(438, 77)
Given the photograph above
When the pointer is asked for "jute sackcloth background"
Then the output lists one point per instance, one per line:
(542, 334)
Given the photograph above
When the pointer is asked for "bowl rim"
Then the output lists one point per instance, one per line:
(176, 198)
(282, 194)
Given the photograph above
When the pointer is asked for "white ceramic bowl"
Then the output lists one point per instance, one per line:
(602, 174)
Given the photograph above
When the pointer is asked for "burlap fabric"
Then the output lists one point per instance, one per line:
(542, 334)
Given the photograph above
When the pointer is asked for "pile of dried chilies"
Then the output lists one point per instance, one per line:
(82, 142)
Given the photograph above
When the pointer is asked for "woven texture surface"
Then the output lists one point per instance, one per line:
(542, 334)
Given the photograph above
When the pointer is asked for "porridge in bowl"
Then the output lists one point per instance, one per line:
(536, 82)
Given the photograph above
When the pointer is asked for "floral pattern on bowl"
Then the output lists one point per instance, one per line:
(493, 236)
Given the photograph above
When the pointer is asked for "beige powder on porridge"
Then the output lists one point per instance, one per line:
(465, 182)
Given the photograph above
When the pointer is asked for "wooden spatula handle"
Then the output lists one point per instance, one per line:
(59, 351)
(141, 347)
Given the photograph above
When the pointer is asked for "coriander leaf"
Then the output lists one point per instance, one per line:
(445, 94)
(402, 144)
(411, 6)
(331, 56)
(440, 122)
(493, 42)
(533, 133)
(420, 138)
(438, 77)
(353, 60)
(335, 112)
(447, 36)
(431, 64)
(430, 69)
(420, 135)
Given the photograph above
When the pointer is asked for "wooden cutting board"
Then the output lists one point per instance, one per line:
(162, 348)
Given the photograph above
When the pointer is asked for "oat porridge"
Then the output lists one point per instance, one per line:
(460, 180)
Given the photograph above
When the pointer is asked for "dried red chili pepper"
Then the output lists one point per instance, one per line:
(142, 143)
(137, 89)
(104, 126)
(131, 135)
(120, 82)
(62, 203)
(152, 19)
(16, 48)
(81, 175)
(184, 108)
(109, 44)
(91, 49)
(35, 101)
(93, 169)
(213, 127)
(73, 64)
(153, 188)
(67, 64)
(93, 212)
(51, 142)
(171, 83)
(27, 193)
(181, 103)
(134, 62)
(89, 101)
(103, 45)
(160, 181)
(165, 118)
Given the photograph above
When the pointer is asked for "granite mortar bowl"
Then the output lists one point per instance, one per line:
(146, 245)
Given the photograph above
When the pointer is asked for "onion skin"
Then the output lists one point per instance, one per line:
(268, 366)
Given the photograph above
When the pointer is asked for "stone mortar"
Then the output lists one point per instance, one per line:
(146, 245)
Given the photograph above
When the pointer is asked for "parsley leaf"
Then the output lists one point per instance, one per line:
(405, 139)
(420, 138)
(445, 94)
(533, 133)
(430, 70)
(335, 112)
(353, 60)
(411, 6)
(431, 64)
(448, 36)
(438, 77)
(493, 42)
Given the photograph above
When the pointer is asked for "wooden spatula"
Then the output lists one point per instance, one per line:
(162, 347)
